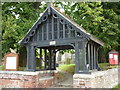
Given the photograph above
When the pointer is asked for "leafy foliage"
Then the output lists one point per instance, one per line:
(16, 21)
(101, 19)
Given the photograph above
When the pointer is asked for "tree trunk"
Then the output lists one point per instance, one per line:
(22, 57)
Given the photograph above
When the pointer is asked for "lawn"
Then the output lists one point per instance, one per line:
(105, 66)
(118, 86)
(70, 68)
(1, 68)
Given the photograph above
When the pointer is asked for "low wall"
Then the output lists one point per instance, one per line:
(98, 79)
(24, 79)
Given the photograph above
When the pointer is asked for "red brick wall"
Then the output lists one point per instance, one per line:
(10, 80)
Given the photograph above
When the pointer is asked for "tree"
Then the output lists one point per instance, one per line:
(100, 19)
(17, 19)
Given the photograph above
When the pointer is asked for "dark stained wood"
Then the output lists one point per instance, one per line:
(77, 59)
(94, 57)
(64, 31)
(54, 63)
(47, 30)
(55, 31)
(84, 56)
(40, 58)
(45, 52)
(58, 31)
(50, 59)
(42, 32)
(52, 28)
(89, 55)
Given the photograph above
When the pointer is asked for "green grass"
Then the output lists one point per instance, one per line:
(23, 68)
(1, 68)
(70, 68)
(60, 76)
(105, 66)
(118, 86)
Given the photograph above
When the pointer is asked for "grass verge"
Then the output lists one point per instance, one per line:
(70, 68)
(118, 86)
(1, 68)
(105, 66)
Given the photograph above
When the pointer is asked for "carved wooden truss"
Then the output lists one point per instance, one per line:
(53, 31)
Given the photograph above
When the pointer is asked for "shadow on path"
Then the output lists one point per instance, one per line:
(66, 83)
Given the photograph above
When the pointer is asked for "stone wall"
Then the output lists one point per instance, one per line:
(21, 79)
(97, 79)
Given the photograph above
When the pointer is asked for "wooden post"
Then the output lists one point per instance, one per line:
(42, 32)
(77, 59)
(52, 28)
(94, 57)
(47, 29)
(50, 59)
(54, 59)
(84, 56)
(89, 55)
(64, 31)
(45, 51)
(58, 29)
(97, 67)
(31, 62)
(40, 67)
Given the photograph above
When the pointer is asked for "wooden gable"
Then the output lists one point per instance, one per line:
(53, 25)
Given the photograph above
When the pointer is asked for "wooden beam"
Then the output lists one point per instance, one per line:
(94, 57)
(50, 59)
(47, 29)
(84, 56)
(81, 63)
(38, 35)
(52, 28)
(69, 33)
(40, 67)
(42, 32)
(54, 59)
(28, 56)
(58, 29)
(31, 62)
(89, 55)
(64, 31)
(45, 51)
(77, 59)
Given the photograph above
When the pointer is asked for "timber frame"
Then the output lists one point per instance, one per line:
(52, 32)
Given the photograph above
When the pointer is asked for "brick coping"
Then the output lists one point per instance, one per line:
(95, 73)
(27, 72)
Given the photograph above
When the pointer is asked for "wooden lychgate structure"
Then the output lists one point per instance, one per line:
(52, 32)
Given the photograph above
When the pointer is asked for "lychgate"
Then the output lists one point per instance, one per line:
(54, 31)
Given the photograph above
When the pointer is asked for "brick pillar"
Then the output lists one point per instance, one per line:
(82, 81)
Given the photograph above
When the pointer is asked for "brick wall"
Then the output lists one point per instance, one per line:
(21, 79)
(98, 79)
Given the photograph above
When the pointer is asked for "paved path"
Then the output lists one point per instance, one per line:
(67, 83)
